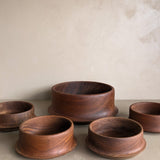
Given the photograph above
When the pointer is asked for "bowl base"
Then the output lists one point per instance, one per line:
(111, 155)
(46, 156)
(148, 129)
(8, 129)
(51, 111)
(14, 128)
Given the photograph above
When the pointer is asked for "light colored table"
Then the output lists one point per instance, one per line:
(8, 140)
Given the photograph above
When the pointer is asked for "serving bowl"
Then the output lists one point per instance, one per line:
(13, 113)
(46, 137)
(115, 137)
(83, 101)
(147, 114)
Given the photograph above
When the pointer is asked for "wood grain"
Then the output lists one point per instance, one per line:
(13, 113)
(46, 137)
(115, 137)
(83, 101)
(147, 114)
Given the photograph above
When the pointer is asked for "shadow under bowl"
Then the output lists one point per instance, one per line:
(46, 137)
(115, 137)
(147, 114)
(13, 113)
(83, 101)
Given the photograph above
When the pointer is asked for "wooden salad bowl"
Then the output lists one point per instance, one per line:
(13, 113)
(46, 137)
(147, 114)
(83, 101)
(115, 137)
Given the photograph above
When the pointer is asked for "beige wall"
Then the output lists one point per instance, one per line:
(43, 42)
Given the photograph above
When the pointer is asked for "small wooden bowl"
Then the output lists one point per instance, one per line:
(147, 114)
(46, 137)
(13, 113)
(83, 101)
(115, 137)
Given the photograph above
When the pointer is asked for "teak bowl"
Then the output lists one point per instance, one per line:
(115, 137)
(46, 137)
(83, 101)
(13, 113)
(147, 114)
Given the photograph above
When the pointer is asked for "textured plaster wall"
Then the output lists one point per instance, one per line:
(43, 42)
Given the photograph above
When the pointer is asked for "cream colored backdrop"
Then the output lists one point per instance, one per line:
(43, 42)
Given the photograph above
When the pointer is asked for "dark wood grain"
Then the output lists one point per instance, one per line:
(13, 113)
(148, 114)
(115, 137)
(46, 137)
(83, 101)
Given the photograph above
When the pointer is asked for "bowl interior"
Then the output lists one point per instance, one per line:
(14, 107)
(115, 127)
(46, 125)
(82, 88)
(147, 108)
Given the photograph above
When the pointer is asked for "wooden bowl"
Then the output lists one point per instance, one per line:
(46, 137)
(13, 113)
(148, 114)
(83, 101)
(115, 137)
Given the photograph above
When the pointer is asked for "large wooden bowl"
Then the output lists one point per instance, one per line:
(115, 137)
(46, 137)
(148, 114)
(83, 101)
(13, 113)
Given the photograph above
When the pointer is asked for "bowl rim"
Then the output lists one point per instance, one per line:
(53, 88)
(139, 133)
(47, 135)
(141, 113)
(31, 105)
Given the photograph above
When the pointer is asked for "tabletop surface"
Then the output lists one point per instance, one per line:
(81, 152)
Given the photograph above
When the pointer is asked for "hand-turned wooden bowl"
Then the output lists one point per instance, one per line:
(147, 114)
(83, 101)
(115, 137)
(13, 113)
(46, 137)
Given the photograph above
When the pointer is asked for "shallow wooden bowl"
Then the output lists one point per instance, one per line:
(13, 113)
(115, 137)
(46, 137)
(83, 101)
(148, 114)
